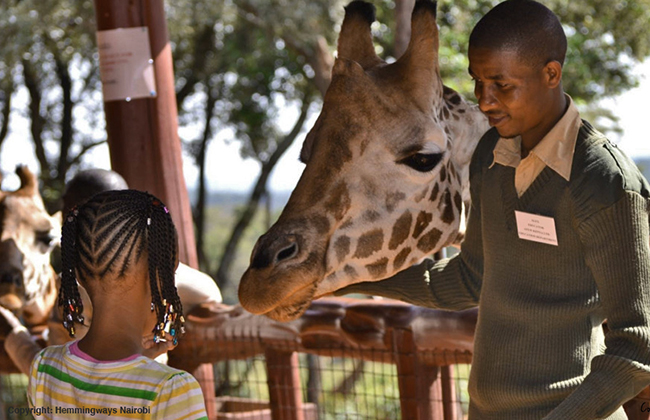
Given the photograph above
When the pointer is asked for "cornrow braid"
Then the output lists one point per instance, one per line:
(69, 298)
(110, 232)
(163, 250)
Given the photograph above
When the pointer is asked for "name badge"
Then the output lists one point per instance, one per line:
(536, 228)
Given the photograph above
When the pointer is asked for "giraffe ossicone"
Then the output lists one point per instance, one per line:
(387, 172)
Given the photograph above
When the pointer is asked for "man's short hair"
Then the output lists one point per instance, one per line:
(524, 26)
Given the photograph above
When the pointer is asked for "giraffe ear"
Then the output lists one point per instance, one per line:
(355, 38)
(419, 63)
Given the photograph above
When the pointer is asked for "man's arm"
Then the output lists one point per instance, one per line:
(617, 250)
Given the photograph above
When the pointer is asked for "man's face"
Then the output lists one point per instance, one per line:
(514, 95)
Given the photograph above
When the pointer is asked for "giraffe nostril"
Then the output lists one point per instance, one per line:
(270, 252)
(287, 253)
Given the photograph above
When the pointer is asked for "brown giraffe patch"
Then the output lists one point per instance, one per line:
(378, 268)
(421, 223)
(452, 171)
(422, 194)
(458, 201)
(321, 223)
(369, 243)
(445, 112)
(434, 192)
(400, 259)
(342, 247)
(443, 174)
(393, 199)
(350, 271)
(429, 240)
(401, 230)
(339, 203)
(371, 215)
(448, 213)
(347, 224)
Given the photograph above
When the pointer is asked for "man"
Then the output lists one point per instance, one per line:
(557, 240)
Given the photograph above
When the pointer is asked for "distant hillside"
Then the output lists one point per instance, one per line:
(232, 199)
(643, 163)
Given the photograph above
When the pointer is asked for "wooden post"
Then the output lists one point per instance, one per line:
(143, 137)
(447, 384)
(143, 133)
(283, 377)
(419, 389)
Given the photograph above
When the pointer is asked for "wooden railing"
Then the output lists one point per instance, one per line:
(422, 343)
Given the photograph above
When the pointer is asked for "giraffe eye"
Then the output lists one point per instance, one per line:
(422, 162)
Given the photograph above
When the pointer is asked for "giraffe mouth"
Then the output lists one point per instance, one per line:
(281, 297)
(294, 305)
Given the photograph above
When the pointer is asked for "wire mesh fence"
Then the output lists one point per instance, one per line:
(332, 388)
(343, 359)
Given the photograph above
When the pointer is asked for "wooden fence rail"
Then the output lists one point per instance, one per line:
(422, 343)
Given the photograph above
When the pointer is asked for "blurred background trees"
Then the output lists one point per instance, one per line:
(239, 64)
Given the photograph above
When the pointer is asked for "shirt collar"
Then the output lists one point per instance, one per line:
(555, 149)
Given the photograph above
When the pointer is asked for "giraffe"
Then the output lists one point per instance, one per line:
(27, 236)
(386, 175)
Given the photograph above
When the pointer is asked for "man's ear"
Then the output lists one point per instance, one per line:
(553, 74)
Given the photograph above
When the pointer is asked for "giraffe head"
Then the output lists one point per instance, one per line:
(387, 167)
(27, 236)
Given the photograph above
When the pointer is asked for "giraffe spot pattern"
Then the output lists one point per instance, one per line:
(342, 247)
(401, 230)
(400, 259)
(448, 211)
(421, 223)
(434, 192)
(393, 199)
(443, 174)
(378, 268)
(350, 272)
(320, 223)
(371, 215)
(429, 240)
(422, 194)
(347, 224)
(369, 243)
(339, 203)
(458, 201)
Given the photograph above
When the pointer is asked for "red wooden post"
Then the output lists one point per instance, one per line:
(447, 383)
(283, 377)
(419, 390)
(143, 133)
(143, 136)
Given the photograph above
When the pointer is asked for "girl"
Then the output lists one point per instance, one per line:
(122, 246)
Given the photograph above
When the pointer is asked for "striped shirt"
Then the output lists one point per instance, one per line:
(65, 383)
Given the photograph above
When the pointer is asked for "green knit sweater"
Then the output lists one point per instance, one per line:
(539, 345)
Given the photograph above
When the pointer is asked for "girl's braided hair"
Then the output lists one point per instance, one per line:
(107, 234)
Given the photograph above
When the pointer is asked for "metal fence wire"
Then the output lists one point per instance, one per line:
(343, 359)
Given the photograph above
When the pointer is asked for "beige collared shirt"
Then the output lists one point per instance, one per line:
(554, 150)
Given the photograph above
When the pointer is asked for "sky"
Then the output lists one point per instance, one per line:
(228, 171)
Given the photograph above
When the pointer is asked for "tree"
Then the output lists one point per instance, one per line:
(51, 56)
(238, 63)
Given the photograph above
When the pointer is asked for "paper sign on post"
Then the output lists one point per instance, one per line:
(536, 228)
(125, 64)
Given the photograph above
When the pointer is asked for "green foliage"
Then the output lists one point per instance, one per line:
(219, 222)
